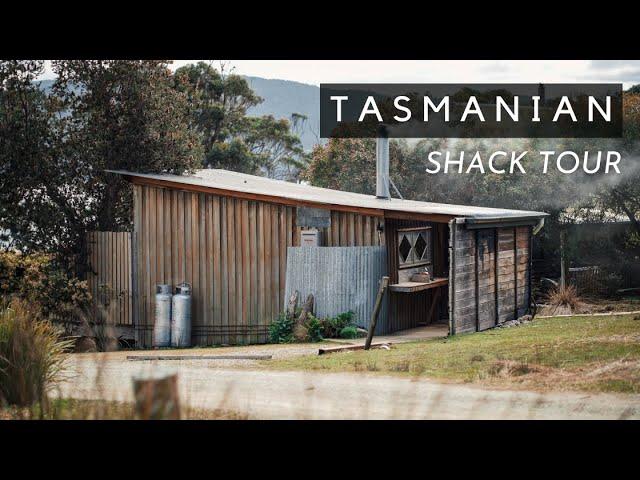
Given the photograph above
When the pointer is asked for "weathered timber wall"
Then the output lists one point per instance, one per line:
(231, 250)
(109, 276)
(340, 279)
(489, 276)
(349, 230)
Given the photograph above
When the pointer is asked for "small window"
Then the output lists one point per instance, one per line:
(414, 247)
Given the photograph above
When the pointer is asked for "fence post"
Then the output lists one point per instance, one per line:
(376, 310)
(563, 258)
(156, 398)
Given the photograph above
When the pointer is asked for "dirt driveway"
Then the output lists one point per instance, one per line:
(268, 394)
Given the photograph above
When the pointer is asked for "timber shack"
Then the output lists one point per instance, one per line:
(229, 235)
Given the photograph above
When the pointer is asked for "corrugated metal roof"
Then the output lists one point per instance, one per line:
(251, 184)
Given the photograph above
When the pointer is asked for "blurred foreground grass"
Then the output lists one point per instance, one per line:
(74, 409)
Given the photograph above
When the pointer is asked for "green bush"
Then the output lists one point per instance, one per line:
(349, 332)
(314, 328)
(44, 285)
(284, 330)
(31, 355)
(332, 326)
(281, 330)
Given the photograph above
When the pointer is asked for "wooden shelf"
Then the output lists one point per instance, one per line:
(411, 287)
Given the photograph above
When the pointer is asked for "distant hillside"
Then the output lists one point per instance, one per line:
(284, 97)
(281, 99)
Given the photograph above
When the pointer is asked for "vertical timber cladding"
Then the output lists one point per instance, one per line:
(348, 229)
(463, 279)
(490, 272)
(233, 253)
(109, 276)
(523, 268)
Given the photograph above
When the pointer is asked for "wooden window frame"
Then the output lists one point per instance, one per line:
(421, 263)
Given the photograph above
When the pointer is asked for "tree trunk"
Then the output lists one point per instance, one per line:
(307, 308)
(293, 304)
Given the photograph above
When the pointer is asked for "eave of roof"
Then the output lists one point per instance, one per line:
(260, 188)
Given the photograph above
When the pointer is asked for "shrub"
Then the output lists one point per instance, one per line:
(281, 330)
(314, 328)
(39, 281)
(31, 355)
(332, 326)
(349, 332)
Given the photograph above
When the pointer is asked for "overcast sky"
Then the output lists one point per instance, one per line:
(431, 71)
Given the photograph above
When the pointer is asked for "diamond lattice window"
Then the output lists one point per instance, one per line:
(414, 247)
(420, 246)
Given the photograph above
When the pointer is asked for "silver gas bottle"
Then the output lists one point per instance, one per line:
(181, 317)
(162, 324)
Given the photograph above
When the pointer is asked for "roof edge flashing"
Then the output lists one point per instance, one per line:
(474, 224)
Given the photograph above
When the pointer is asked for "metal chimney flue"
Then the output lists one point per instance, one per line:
(382, 163)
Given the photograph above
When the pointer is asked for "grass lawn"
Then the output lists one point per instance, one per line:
(599, 353)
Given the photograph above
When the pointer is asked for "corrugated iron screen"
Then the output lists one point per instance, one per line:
(340, 279)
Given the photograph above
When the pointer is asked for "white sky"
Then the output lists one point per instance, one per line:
(436, 71)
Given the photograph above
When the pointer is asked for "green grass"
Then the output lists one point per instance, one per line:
(585, 353)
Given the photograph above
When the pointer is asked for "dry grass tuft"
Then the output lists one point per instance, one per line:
(401, 366)
(32, 356)
(564, 297)
(510, 368)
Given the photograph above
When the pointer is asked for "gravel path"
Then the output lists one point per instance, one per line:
(311, 395)
(276, 351)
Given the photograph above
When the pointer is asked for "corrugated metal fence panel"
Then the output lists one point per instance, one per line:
(109, 276)
(340, 279)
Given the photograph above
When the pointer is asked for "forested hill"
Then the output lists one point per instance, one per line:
(281, 99)
(284, 97)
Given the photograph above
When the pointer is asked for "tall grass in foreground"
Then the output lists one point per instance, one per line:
(32, 356)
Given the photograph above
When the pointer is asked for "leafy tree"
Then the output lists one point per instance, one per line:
(231, 139)
(123, 114)
(29, 198)
(346, 164)
(623, 196)
(635, 89)
(119, 114)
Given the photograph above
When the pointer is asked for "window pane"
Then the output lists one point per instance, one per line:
(420, 246)
(405, 248)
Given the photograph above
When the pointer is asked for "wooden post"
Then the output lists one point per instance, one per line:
(563, 259)
(496, 271)
(156, 398)
(384, 283)
(293, 304)
(307, 308)
(476, 241)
